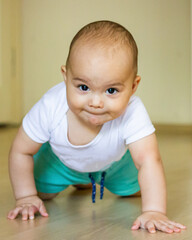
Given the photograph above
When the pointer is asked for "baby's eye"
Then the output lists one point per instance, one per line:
(111, 91)
(83, 88)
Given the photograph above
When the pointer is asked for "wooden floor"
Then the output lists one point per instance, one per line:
(73, 216)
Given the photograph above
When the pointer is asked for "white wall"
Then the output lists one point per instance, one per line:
(10, 68)
(161, 29)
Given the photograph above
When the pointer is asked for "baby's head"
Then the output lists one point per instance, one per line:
(101, 72)
(106, 35)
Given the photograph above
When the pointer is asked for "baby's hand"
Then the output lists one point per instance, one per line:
(27, 207)
(156, 220)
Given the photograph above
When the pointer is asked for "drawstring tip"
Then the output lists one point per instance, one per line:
(94, 186)
(102, 185)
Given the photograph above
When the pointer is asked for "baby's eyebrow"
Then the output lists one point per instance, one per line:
(116, 84)
(81, 79)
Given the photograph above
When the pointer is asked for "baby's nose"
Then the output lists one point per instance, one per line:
(96, 101)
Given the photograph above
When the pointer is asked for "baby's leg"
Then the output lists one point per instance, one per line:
(47, 196)
(51, 175)
(83, 186)
(48, 173)
(137, 194)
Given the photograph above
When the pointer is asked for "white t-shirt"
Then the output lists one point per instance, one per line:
(47, 121)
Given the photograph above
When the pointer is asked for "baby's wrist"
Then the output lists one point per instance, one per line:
(26, 196)
(154, 211)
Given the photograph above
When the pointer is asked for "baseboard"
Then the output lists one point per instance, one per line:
(173, 128)
(9, 125)
(169, 128)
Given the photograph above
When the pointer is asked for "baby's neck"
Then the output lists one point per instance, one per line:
(78, 132)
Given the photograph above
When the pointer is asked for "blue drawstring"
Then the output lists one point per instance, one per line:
(94, 186)
(102, 185)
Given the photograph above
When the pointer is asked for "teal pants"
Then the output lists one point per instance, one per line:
(52, 176)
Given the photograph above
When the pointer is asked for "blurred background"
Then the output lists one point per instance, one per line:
(35, 37)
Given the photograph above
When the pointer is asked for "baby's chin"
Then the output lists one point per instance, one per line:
(98, 120)
(95, 121)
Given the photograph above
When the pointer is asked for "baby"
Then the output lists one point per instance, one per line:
(91, 128)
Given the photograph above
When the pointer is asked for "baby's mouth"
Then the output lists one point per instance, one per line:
(95, 117)
(95, 113)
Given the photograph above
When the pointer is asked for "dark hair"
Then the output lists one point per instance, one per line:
(106, 32)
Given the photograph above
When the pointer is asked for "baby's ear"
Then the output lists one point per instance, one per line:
(136, 83)
(63, 71)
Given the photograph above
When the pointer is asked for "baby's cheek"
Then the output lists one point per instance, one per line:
(117, 109)
(75, 102)
(73, 106)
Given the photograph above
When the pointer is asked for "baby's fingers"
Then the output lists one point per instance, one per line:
(178, 225)
(32, 211)
(150, 226)
(164, 227)
(136, 225)
(43, 210)
(25, 213)
(28, 212)
(14, 213)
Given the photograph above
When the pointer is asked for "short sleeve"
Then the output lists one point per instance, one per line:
(136, 123)
(36, 122)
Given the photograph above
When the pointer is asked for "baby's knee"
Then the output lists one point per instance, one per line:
(137, 194)
(83, 186)
(47, 196)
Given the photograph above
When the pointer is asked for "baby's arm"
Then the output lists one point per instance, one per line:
(22, 178)
(147, 159)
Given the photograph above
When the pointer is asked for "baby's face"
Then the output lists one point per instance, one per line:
(99, 83)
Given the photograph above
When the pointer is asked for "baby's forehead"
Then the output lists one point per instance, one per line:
(102, 47)
(96, 60)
